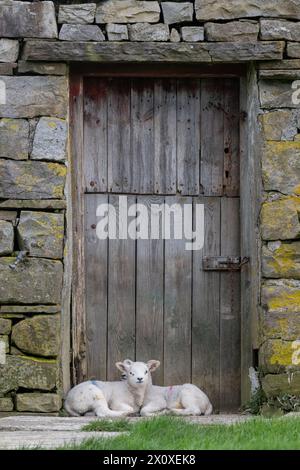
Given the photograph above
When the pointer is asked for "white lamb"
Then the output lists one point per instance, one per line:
(103, 399)
(184, 399)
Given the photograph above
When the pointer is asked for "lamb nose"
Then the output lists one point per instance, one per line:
(140, 379)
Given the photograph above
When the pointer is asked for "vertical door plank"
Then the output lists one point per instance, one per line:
(177, 306)
(142, 122)
(231, 138)
(165, 136)
(96, 290)
(230, 322)
(206, 307)
(121, 298)
(150, 295)
(212, 136)
(188, 136)
(95, 135)
(120, 168)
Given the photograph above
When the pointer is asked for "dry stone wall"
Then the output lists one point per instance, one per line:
(37, 40)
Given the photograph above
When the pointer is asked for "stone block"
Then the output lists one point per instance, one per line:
(6, 404)
(5, 326)
(6, 238)
(148, 32)
(279, 29)
(4, 339)
(117, 32)
(275, 385)
(175, 36)
(276, 355)
(276, 94)
(38, 336)
(280, 219)
(29, 373)
(31, 180)
(50, 140)
(240, 31)
(27, 19)
(42, 68)
(14, 138)
(83, 13)
(281, 260)
(83, 32)
(281, 124)
(177, 12)
(192, 33)
(128, 11)
(211, 10)
(9, 49)
(281, 167)
(42, 233)
(293, 50)
(27, 97)
(38, 402)
(32, 281)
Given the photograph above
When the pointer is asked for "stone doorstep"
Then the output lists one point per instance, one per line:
(25, 431)
(47, 439)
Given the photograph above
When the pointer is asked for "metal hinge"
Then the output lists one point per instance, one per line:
(223, 263)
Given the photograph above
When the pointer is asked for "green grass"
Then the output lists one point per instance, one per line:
(172, 433)
(120, 425)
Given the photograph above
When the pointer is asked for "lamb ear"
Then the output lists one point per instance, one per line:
(153, 365)
(120, 366)
(127, 362)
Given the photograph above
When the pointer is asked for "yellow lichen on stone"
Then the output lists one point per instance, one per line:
(281, 353)
(288, 300)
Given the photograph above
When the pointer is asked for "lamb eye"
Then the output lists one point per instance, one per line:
(131, 373)
(146, 372)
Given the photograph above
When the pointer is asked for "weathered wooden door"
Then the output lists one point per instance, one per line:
(174, 141)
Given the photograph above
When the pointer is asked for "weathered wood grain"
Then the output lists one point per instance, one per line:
(231, 173)
(206, 308)
(96, 255)
(95, 135)
(188, 136)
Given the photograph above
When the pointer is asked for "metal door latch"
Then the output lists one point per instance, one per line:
(223, 263)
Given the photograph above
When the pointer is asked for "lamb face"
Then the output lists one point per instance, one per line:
(137, 373)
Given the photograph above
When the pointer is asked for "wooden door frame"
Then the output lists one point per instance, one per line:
(249, 196)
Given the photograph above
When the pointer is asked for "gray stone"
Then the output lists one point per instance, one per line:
(29, 373)
(175, 36)
(117, 32)
(31, 180)
(6, 404)
(211, 10)
(32, 281)
(281, 167)
(241, 31)
(42, 233)
(276, 355)
(279, 384)
(7, 69)
(81, 32)
(29, 20)
(280, 124)
(50, 140)
(38, 402)
(9, 50)
(276, 94)
(279, 74)
(14, 138)
(280, 219)
(9, 216)
(4, 339)
(148, 32)
(128, 11)
(50, 204)
(174, 12)
(148, 52)
(77, 14)
(5, 326)
(38, 336)
(21, 309)
(42, 68)
(293, 49)
(279, 29)
(287, 64)
(6, 238)
(35, 96)
(281, 260)
(192, 33)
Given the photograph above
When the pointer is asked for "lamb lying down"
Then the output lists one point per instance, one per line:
(181, 400)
